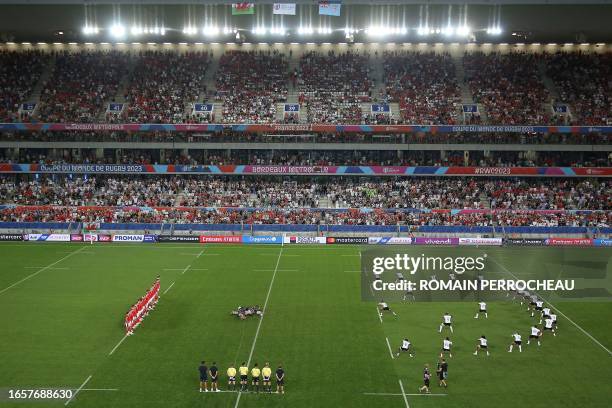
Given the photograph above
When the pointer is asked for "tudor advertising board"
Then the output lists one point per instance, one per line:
(480, 241)
(296, 239)
(525, 241)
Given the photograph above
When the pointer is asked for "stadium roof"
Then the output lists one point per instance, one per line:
(558, 21)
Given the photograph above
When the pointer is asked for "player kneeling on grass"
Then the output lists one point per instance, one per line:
(266, 372)
(482, 308)
(516, 341)
(446, 348)
(280, 380)
(384, 307)
(535, 334)
(214, 377)
(203, 376)
(446, 322)
(255, 373)
(426, 377)
(482, 345)
(231, 378)
(405, 348)
(243, 370)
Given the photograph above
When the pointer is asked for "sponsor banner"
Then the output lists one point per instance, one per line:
(48, 237)
(480, 241)
(290, 169)
(105, 238)
(150, 238)
(262, 239)
(11, 237)
(296, 239)
(307, 170)
(90, 237)
(436, 241)
(321, 128)
(570, 241)
(220, 239)
(128, 238)
(526, 241)
(178, 238)
(347, 240)
(602, 242)
(389, 240)
(76, 237)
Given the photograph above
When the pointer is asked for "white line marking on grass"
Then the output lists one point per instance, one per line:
(186, 269)
(118, 344)
(404, 394)
(173, 269)
(359, 255)
(352, 271)
(379, 314)
(100, 389)
(185, 254)
(209, 255)
(198, 269)
(389, 346)
(40, 267)
(561, 313)
(78, 390)
(168, 288)
(200, 254)
(263, 310)
(397, 394)
(42, 270)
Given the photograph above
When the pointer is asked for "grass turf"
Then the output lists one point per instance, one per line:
(60, 325)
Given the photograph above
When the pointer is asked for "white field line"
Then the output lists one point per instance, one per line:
(78, 390)
(280, 253)
(389, 346)
(404, 394)
(352, 271)
(186, 269)
(379, 314)
(51, 269)
(561, 313)
(99, 389)
(168, 288)
(397, 394)
(200, 254)
(117, 345)
(42, 270)
(359, 255)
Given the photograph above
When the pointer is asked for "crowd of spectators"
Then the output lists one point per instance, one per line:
(80, 84)
(424, 85)
(510, 87)
(333, 86)
(417, 193)
(250, 84)
(19, 73)
(163, 85)
(584, 81)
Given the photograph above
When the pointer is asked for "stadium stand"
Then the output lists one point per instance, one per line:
(162, 84)
(19, 73)
(425, 86)
(250, 84)
(80, 84)
(333, 86)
